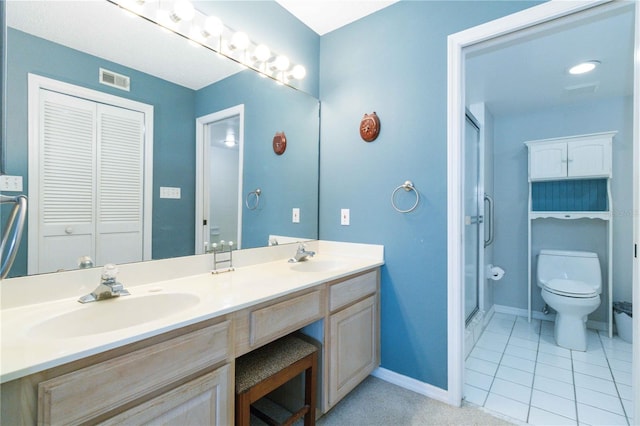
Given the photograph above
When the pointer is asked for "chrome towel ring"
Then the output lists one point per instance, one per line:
(256, 199)
(407, 186)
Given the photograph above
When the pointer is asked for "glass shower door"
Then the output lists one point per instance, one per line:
(472, 218)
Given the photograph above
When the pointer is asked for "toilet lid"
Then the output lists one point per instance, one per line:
(570, 288)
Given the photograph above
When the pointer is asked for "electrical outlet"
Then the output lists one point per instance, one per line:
(344, 217)
(11, 183)
(295, 215)
(169, 192)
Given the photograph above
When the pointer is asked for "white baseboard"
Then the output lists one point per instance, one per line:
(594, 325)
(417, 386)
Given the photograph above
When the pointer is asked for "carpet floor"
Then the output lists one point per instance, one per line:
(377, 402)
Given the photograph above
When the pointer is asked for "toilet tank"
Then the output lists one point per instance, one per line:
(571, 265)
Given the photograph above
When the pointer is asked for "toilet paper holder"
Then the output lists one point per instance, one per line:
(494, 273)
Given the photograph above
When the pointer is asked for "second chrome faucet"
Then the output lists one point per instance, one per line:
(302, 254)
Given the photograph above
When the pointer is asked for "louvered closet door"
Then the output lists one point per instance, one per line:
(66, 158)
(119, 236)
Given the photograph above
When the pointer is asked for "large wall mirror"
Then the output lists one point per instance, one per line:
(69, 43)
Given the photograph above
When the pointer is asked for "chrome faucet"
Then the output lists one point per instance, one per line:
(108, 287)
(302, 254)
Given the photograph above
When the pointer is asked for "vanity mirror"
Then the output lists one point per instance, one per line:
(76, 43)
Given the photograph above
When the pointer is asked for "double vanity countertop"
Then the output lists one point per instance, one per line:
(55, 328)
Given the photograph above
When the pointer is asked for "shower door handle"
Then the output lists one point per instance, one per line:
(489, 201)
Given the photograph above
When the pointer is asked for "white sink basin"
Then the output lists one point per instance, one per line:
(112, 314)
(318, 266)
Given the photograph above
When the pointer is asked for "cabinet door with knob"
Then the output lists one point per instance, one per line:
(571, 158)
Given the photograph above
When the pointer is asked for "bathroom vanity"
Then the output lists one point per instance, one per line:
(178, 366)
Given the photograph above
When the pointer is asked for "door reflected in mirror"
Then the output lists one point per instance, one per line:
(221, 178)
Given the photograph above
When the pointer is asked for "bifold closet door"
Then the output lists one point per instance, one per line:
(67, 160)
(91, 193)
(119, 189)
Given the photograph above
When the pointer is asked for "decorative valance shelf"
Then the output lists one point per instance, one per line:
(570, 215)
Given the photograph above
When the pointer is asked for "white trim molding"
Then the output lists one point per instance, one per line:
(457, 45)
(414, 385)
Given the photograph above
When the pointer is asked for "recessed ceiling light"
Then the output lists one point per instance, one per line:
(584, 67)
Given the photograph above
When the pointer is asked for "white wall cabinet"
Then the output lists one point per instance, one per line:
(585, 156)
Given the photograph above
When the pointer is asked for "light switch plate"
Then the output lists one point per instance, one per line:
(295, 215)
(11, 183)
(169, 192)
(344, 217)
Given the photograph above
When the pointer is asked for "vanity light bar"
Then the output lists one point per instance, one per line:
(182, 19)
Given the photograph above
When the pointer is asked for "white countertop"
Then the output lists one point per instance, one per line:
(23, 353)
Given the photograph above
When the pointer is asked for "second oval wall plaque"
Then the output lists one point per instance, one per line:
(279, 143)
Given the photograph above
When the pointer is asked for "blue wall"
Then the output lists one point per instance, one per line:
(293, 176)
(511, 195)
(174, 131)
(394, 62)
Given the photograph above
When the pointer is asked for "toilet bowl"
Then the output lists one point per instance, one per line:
(571, 283)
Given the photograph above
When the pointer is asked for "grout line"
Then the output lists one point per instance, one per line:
(535, 366)
(573, 378)
(613, 379)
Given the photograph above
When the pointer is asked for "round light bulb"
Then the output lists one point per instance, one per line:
(239, 41)
(282, 63)
(183, 10)
(298, 72)
(262, 53)
(584, 67)
(213, 26)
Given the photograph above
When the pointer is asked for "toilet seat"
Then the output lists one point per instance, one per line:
(570, 288)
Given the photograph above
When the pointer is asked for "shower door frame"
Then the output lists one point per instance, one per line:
(457, 43)
(479, 218)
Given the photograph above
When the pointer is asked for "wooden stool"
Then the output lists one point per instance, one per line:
(269, 367)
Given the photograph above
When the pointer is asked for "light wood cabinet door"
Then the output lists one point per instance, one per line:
(202, 401)
(353, 351)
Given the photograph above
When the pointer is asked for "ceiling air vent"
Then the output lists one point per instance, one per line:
(113, 79)
(581, 89)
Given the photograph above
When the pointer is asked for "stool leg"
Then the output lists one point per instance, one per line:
(310, 391)
(243, 409)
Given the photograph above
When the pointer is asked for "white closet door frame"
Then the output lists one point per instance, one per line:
(35, 84)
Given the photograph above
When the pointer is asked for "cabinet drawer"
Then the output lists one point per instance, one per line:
(202, 401)
(353, 289)
(276, 320)
(84, 394)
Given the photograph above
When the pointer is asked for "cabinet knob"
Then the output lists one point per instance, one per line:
(68, 230)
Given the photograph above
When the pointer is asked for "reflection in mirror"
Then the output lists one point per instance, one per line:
(70, 42)
(222, 178)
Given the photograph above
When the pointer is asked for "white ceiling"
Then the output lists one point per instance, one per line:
(531, 71)
(324, 16)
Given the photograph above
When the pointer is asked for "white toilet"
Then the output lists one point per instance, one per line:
(571, 284)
